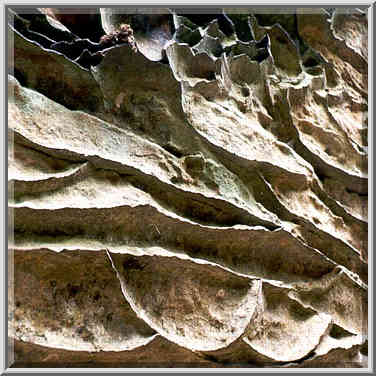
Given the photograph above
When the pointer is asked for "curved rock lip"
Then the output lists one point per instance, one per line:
(175, 289)
(188, 187)
(79, 306)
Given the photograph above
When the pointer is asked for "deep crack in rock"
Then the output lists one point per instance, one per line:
(188, 188)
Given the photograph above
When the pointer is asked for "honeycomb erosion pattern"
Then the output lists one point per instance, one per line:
(198, 202)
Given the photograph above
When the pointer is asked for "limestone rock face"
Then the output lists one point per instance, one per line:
(199, 202)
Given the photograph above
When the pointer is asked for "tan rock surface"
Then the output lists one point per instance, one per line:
(200, 202)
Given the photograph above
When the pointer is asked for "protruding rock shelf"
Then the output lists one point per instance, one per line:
(193, 197)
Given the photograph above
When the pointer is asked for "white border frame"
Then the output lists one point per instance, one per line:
(208, 3)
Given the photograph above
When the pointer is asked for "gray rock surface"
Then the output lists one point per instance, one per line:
(199, 202)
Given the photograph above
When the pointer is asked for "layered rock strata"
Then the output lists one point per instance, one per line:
(199, 201)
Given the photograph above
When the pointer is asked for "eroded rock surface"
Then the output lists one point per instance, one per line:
(197, 201)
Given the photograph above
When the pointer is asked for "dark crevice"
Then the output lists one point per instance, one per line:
(364, 348)
(72, 50)
(19, 76)
(132, 263)
(83, 93)
(72, 290)
(242, 28)
(23, 27)
(338, 332)
(325, 170)
(245, 92)
(210, 358)
(310, 62)
(286, 20)
(203, 19)
(357, 193)
(164, 59)
(211, 76)
(225, 25)
(84, 52)
(87, 60)
(37, 22)
(263, 43)
(321, 175)
(261, 55)
(42, 40)
(173, 150)
(86, 24)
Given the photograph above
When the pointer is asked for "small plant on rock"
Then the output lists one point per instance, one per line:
(122, 35)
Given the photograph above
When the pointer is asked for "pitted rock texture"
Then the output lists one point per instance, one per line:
(200, 201)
